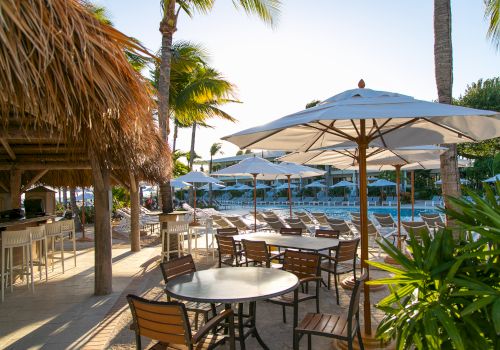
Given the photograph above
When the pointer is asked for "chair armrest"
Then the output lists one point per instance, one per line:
(213, 322)
(310, 279)
(276, 256)
(326, 256)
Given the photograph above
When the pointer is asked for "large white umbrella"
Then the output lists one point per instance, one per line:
(366, 118)
(493, 179)
(196, 177)
(261, 186)
(285, 186)
(215, 187)
(253, 166)
(316, 184)
(179, 184)
(382, 183)
(343, 183)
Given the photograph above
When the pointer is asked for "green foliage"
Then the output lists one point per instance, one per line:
(89, 214)
(481, 95)
(492, 14)
(447, 294)
(180, 168)
(121, 197)
(313, 103)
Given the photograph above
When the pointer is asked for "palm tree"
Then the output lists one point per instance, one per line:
(492, 12)
(214, 149)
(443, 62)
(267, 10)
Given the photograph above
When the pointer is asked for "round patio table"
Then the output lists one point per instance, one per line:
(234, 285)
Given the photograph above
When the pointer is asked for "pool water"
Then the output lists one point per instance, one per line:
(344, 213)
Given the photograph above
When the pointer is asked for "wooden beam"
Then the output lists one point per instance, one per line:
(9, 150)
(15, 188)
(4, 186)
(34, 179)
(118, 181)
(43, 166)
(20, 134)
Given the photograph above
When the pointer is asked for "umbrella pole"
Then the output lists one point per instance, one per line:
(194, 203)
(289, 196)
(398, 191)
(412, 179)
(254, 202)
(83, 214)
(363, 200)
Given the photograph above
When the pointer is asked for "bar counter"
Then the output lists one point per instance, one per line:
(21, 224)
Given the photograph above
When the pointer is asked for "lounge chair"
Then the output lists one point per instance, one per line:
(343, 228)
(308, 200)
(275, 224)
(385, 220)
(432, 220)
(436, 200)
(373, 235)
(221, 222)
(321, 218)
(337, 200)
(239, 223)
(298, 223)
(306, 219)
(373, 201)
(334, 221)
(418, 228)
(389, 201)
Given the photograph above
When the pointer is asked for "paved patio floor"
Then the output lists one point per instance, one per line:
(63, 313)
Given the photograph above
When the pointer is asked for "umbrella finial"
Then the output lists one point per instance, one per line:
(361, 84)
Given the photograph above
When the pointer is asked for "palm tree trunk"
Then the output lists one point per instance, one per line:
(65, 197)
(443, 61)
(191, 159)
(167, 29)
(176, 130)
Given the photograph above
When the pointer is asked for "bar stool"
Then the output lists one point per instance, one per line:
(16, 239)
(53, 232)
(68, 231)
(178, 228)
(38, 236)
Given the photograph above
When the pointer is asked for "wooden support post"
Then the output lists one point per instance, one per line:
(135, 234)
(15, 188)
(254, 202)
(363, 199)
(7, 147)
(102, 227)
(4, 186)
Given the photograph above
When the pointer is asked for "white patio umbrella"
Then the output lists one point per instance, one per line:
(493, 179)
(179, 184)
(366, 118)
(261, 186)
(215, 187)
(316, 184)
(382, 183)
(462, 182)
(254, 166)
(241, 187)
(285, 186)
(343, 183)
(193, 178)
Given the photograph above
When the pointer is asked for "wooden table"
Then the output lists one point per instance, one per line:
(235, 285)
(314, 244)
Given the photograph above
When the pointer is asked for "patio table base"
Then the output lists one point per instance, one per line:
(369, 342)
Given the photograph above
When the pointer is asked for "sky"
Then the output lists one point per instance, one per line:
(316, 50)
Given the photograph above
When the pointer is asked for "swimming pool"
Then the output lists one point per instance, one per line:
(344, 212)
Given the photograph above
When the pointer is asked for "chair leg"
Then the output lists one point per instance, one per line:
(284, 313)
(309, 342)
(349, 343)
(336, 289)
(74, 246)
(30, 256)
(296, 340)
(62, 252)
(4, 284)
(45, 259)
(11, 273)
(53, 244)
(329, 280)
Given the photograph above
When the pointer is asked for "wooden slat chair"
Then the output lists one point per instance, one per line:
(334, 326)
(291, 231)
(344, 261)
(334, 221)
(228, 231)
(306, 267)
(257, 253)
(321, 218)
(183, 266)
(385, 220)
(327, 233)
(229, 254)
(299, 223)
(168, 323)
(306, 219)
(275, 224)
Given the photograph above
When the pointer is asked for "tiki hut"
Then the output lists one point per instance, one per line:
(73, 110)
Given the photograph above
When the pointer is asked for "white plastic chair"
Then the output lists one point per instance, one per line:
(11, 240)
(38, 237)
(68, 231)
(53, 233)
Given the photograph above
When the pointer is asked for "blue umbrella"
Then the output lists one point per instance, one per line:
(493, 179)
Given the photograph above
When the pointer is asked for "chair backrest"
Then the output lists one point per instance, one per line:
(335, 221)
(236, 221)
(295, 223)
(177, 227)
(177, 267)
(417, 228)
(302, 264)
(432, 220)
(67, 225)
(256, 251)
(354, 303)
(292, 231)
(53, 229)
(321, 218)
(16, 238)
(37, 232)
(226, 245)
(221, 221)
(355, 215)
(385, 220)
(342, 228)
(228, 231)
(327, 233)
(305, 218)
(166, 322)
(346, 250)
(275, 224)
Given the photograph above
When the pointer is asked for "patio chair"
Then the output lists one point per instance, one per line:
(389, 201)
(220, 221)
(355, 215)
(344, 261)
(306, 219)
(228, 253)
(432, 220)
(343, 229)
(239, 223)
(417, 228)
(180, 267)
(308, 200)
(333, 326)
(385, 220)
(291, 231)
(373, 200)
(275, 224)
(257, 253)
(306, 267)
(321, 218)
(327, 233)
(168, 323)
(373, 234)
(335, 221)
(337, 200)
(228, 231)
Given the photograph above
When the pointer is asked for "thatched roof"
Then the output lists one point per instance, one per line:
(68, 89)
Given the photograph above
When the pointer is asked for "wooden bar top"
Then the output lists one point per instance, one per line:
(26, 221)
